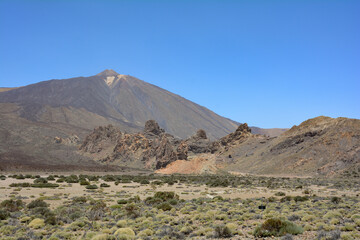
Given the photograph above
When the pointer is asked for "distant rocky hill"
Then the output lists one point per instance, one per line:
(318, 146)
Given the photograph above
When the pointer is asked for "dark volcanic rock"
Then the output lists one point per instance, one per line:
(100, 137)
(237, 137)
(152, 128)
(152, 148)
(201, 134)
(199, 143)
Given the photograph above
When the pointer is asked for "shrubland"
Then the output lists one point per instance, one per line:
(109, 210)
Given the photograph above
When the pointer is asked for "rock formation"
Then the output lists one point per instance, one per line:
(152, 148)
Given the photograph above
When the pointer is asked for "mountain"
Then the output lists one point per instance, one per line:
(318, 146)
(321, 145)
(34, 119)
(111, 98)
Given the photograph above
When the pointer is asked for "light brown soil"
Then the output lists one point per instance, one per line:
(198, 165)
(67, 191)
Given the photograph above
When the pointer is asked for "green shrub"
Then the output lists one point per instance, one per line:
(40, 211)
(276, 227)
(80, 199)
(11, 205)
(301, 198)
(104, 185)
(165, 196)
(121, 223)
(97, 210)
(40, 180)
(162, 197)
(222, 231)
(44, 185)
(218, 198)
(164, 206)
(20, 176)
(37, 223)
(84, 182)
(4, 214)
(122, 201)
(146, 233)
(109, 178)
(157, 182)
(286, 199)
(20, 185)
(72, 179)
(144, 181)
(51, 219)
(280, 194)
(219, 182)
(271, 199)
(173, 202)
(124, 233)
(101, 236)
(7, 230)
(92, 186)
(335, 200)
(132, 210)
(50, 178)
(37, 203)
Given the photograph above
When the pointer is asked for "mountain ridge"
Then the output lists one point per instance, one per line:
(102, 97)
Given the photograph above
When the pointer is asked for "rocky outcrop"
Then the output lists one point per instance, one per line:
(71, 140)
(199, 143)
(152, 148)
(233, 139)
(152, 128)
(100, 138)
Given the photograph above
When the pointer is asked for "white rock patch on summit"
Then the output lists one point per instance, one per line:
(109, 80)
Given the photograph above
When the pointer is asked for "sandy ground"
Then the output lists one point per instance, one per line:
(57, 196)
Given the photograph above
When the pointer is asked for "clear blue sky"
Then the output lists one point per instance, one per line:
(267, 63)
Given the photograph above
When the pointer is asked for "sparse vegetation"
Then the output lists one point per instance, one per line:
(203, 212)
(276, 227)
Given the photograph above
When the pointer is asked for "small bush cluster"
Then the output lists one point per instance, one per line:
(163, 200)
(11, 205)
(277, 227)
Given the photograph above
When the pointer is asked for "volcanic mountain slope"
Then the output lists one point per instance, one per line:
(320, 145)
(112, 98)
(25, 145)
